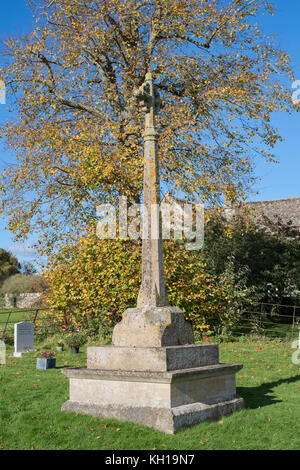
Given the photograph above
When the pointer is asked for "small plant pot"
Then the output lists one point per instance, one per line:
(74, 350)
(59, 348)
(43, 363)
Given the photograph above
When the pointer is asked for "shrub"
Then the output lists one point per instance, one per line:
(99, 327)
(44, 331)
(75, 340)
(21, 283)
(100, 280)
(8, 339)
(9, 265)
(268, 255)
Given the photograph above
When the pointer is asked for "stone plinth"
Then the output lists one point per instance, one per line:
(166, 388)
(153, 327)
(152, 359)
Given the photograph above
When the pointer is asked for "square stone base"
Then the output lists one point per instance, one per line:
(166, 400)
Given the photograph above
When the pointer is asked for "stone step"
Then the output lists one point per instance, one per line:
(165, 420)
(156, 359)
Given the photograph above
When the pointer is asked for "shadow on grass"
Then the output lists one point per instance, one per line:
(58, 367)
(263, 395)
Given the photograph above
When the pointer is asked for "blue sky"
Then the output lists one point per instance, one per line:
(277, 181)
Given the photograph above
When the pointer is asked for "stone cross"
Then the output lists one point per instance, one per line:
(153, 291)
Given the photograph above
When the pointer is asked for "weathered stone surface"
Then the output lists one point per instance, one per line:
(150, 376)
(166, 401)
(157, 389)
(153, 327)
(22, 300)
(153, 290)
(165, 420)
(154, 359)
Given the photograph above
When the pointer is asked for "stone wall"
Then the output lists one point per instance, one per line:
(22, 300)
(287, 210)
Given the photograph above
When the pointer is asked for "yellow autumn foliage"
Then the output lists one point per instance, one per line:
(77, 125)
(102, 278)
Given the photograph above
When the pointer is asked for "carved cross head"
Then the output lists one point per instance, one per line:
(149, 97)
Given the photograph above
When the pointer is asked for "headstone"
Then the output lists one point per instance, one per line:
(23, 338)
(2, 353)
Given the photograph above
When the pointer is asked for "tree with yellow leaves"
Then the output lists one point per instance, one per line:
(78, 136)
(100, 279)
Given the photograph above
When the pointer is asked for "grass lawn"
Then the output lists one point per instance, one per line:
(30, 415)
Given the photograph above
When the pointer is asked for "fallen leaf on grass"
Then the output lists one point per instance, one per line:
(104, 425)
(98, 437)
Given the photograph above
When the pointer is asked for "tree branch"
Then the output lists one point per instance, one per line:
(65, 101)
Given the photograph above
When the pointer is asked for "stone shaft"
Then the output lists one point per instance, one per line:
(153, 290)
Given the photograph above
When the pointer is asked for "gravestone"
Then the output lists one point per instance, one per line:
(153, 373)
(2, 353)
(23, 338)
